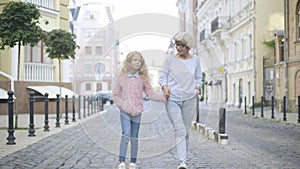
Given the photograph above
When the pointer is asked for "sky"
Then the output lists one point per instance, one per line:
(131, 10)
(125, 8)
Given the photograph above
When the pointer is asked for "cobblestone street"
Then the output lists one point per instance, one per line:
(253, 143)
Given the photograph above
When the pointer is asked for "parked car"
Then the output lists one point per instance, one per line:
(105, 96)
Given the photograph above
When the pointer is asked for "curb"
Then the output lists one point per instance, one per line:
(207, 131)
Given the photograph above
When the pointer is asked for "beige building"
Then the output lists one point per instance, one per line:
(232, 38)
(287, 57)
(36, 69)
(97, 59)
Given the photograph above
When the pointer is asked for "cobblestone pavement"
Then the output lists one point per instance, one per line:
(253, 143)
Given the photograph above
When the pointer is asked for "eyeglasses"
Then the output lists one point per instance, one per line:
(180, 45)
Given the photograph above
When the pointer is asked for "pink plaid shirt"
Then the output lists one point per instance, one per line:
(128, 94)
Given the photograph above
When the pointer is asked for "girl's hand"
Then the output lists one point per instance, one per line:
(166, 91)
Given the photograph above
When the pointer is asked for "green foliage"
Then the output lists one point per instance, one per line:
(60, 44)
(19, 24)
(270, 43)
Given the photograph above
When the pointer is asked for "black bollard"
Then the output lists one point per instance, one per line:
(31, 130)
(262, 107)
(253, 112)
(73, 107)
(46, 127)
(11, 138)
(84, 100)
(197, 111)
(101, 103)
(92, 104)
(66, 108)
(298, 109)
(88, 108)
(57, 124)
(272, 108)
(222, 118)
(79, 108)
(245, 105)
(284, 108)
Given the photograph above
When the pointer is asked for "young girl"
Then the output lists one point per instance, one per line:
(128, 90)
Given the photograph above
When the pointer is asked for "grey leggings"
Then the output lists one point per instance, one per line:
(181, 114)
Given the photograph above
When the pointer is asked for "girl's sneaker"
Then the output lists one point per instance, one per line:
(132, 166)
(182, 166)
(122, 165)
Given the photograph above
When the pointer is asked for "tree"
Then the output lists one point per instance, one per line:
(19, 25)
(60, 45)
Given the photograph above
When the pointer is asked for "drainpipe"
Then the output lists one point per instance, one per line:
(11, 80)
(285, 56)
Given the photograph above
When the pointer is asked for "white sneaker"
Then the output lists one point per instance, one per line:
(182, 166)
(132, 166)
(122, 165)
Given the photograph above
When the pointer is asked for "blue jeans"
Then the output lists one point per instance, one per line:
(130, 131)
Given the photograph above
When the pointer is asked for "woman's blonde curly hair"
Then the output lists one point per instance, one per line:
(143, 71)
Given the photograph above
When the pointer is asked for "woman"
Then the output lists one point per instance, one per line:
(181, 78)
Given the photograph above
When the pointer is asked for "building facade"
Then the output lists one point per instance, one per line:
(287, 57)
(233, 38)
(97, 59)
(35, 67)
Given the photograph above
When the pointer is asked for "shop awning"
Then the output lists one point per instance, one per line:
(4, 95)
(52, 91)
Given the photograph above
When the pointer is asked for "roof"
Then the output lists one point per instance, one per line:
(52, 91)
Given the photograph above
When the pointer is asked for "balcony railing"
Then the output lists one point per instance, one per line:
(38, 72)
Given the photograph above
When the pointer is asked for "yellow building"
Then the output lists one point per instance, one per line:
(287, 63)
(35, 67)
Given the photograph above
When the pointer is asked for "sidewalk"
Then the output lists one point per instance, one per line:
(23, 140)
(291, 117)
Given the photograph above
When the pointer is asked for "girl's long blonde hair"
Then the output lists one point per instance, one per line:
(143, 71)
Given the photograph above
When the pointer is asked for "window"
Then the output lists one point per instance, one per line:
(36, 54)
(98, 50)
(88, 68)
(88, 34)
(88, 87)
(88, 50)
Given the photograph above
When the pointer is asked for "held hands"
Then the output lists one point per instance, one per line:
(166, 91)
(198, 91)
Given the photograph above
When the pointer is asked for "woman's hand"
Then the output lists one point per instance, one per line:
(198, 91)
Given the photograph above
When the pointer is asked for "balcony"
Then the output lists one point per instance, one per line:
(38, 72)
